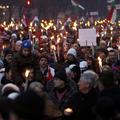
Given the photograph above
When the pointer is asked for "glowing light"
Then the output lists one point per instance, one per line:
(53, 47)
(99, 61)
(68, 110)
(27, 72)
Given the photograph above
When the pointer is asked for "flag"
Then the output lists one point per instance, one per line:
(110, 1)
(49, 75)
(35, 19)
(112, 13)
(25, 21)
(76, 4)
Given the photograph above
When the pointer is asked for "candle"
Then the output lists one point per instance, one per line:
(111, 40)
(54, 49)
(100, 63)
(27, 72)
(68, 111)
(58, 47)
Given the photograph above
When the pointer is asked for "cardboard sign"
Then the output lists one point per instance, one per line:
(87, 37)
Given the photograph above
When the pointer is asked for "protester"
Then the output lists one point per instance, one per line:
(68, 81)
(8, 59)
(83, 102)
(51, 110)
(45, 70)
(28, 106)
(26, 58)
(62, 91)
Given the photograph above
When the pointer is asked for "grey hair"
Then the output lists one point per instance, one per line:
(35, 85)
(91, 77)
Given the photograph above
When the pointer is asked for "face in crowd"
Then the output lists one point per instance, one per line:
(43, 62)
(26, 52)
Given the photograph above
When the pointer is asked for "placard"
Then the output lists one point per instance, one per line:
(87, 37)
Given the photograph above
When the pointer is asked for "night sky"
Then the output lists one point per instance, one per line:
(52, 7)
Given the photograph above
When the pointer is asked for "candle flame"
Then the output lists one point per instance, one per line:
(100, 61)
(27, 72)
(53, 47)
(68, 110)
(4, 46)
(58, 40)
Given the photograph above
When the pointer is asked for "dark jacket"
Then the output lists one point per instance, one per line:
(22, 61)
(61, 104)
(83, 105)
(113, 93)
(6, 81)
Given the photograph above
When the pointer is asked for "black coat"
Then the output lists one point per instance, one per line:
(24, 62)
(112, 93)
(83, 105)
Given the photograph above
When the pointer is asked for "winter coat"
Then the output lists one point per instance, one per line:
(5, 81)
(61, 104)
(83, 105)
(46, 76)
(113, 93)
(22, 61)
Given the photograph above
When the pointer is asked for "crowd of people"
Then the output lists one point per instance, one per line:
(34, 85)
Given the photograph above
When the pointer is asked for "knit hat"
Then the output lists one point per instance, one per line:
(71, 66)
(29, 106)
(61, 75)
(7, 51)
(68, 69)
(9, 88)
(19, 42)
(26, 44)
(72, 51)
(14, 35)
(13, 95)
(83, 65)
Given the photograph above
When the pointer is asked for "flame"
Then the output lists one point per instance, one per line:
(58, 40)
(100, 61)
(68, 110)
(53, 47)
(4, 46)
(111, 28)
(27, 72)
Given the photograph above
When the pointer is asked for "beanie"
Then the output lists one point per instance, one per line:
(14, 35)
(9, 88)
(61, 75)
(13, 95)
(83, 65)
(7, 51)
(72, 51)
(19, 42)
(71, 66)
(26, 44)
